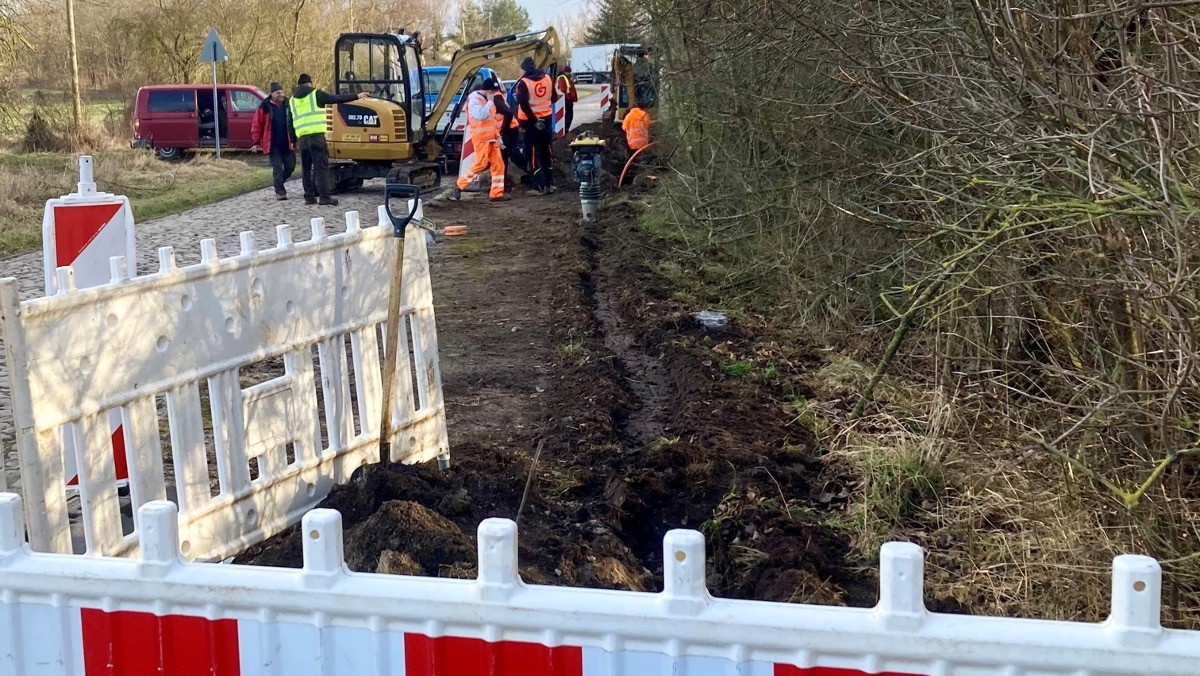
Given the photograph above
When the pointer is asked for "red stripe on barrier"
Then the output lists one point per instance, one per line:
(451, 656)
(129, 643)
(76, 226)
(789, 670)
(120, 462)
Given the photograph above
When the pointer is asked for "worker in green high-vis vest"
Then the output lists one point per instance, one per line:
(308, 122)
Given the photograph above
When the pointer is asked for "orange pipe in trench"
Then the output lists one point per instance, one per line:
(621, 180)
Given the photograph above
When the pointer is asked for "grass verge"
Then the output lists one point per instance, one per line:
(155, 188)
(1007, 530)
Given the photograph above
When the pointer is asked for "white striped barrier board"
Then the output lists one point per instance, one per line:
(84, 230)
(560, 117)
(466, 161)
(87, 616)
(183, 333)
(605, 97)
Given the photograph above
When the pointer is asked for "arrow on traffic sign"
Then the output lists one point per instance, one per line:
(213, 50)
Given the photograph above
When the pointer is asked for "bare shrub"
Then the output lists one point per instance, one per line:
(41, 137)
(998, 201)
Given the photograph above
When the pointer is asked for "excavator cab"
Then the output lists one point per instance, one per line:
(633, 77)
(367, 138)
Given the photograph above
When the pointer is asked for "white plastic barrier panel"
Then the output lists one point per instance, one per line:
(605, 97)
(560, 117)
(245, 460)
(464, 165)
(84, 230)
(86, 616)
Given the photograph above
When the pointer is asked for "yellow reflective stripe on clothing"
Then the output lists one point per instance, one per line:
(307, 117)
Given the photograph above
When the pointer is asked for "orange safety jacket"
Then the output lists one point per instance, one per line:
(484, 122)
(637, 128)
(539, 97)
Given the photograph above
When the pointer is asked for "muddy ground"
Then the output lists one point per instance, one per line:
(560, 337)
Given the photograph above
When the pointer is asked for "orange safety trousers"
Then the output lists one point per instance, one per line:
(487, 158)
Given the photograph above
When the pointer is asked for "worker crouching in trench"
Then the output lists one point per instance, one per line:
(636, 125)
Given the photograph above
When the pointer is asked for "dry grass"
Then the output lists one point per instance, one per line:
(1001, 210)
(154, 187)
(1007, 529)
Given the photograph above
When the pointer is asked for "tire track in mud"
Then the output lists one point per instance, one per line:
(563, 337)
(640, 422)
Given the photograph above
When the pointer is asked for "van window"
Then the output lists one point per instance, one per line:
(172, 101)
(244, 101)
(436, 80)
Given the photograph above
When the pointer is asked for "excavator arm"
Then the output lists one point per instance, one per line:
(543, 45)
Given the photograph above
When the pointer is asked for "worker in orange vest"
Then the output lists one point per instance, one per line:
(637, 127)
(486, 111)
(535, 105)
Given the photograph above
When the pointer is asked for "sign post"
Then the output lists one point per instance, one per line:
(213, 52)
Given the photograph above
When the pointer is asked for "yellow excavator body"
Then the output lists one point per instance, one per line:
(628, 83)
(381, 136)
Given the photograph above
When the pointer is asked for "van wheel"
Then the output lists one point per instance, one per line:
(168, 154)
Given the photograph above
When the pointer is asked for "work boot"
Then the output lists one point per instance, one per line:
(281, 196)
(327, 202)
(551, 190)
(455, 192)
(534, 192)
(310, 200)
(506, 198)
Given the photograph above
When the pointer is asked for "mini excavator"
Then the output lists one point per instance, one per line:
(391, 134)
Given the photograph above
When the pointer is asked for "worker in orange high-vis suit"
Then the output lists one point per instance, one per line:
(637, 127)
(486, 112)
(535, 106)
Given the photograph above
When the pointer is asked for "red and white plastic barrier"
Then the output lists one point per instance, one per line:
(560, 117)
(85, 230)
(605, 97)
(91, 616)
(464, 166)
(253, 460)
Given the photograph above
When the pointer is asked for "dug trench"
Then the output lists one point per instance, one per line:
(584, 402)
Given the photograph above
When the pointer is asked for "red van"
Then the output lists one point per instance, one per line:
(174, 118)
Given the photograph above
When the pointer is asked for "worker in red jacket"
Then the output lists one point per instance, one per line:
(271, 132)
(565, 84)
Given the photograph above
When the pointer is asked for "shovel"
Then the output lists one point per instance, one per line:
(412, 196)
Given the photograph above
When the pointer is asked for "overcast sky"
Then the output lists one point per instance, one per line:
(542, 11)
